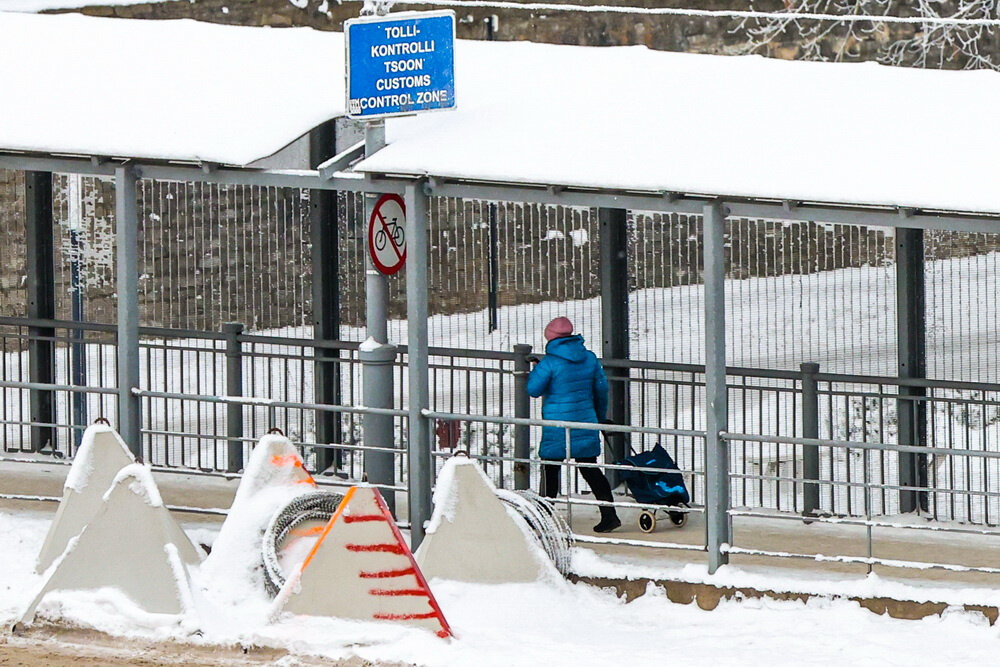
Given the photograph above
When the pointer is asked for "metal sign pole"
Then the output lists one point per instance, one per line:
(377, 359)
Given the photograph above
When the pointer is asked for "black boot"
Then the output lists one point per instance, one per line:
(609, 520)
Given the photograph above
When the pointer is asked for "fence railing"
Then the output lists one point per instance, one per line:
(824, 447)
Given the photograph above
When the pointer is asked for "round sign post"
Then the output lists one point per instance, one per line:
(387, 234)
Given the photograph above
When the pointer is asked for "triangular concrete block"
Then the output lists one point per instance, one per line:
(132, 544)
(361, 568)
(473, 536)
(273, 477)
(101, 455)
(274, 462)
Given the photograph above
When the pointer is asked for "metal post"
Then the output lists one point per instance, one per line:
(810, 429)
(234, 387)
(41, 305)
(493, 297)
(377, 354)
(912, 363)
(717, 520)
(78, 375)
(325, 227)
(615, 326)
(127, 236)
(420, 433)
(522, 410)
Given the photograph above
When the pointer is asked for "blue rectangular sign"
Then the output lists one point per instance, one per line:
(400, 64)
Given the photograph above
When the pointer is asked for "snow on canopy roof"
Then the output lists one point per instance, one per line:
(172, 90)
(605, 117)
(632, 118)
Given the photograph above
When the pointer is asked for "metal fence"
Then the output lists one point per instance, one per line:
(795, 293)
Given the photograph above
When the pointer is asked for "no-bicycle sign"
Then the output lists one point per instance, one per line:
(400, 64)
(387, 234)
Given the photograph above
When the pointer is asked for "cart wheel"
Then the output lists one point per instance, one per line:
(678, 518)
(647, 521)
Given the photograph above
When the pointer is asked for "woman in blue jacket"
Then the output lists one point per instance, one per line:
(574, 387)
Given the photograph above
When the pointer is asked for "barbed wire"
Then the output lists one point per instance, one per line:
(703, 13)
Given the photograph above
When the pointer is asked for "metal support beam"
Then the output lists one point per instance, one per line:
(127, 236)
(810, 429)
(615, 326)
(234, 387)
(420, 434)
(325, 226)
(912, 363)
(377, 355)
(41, 305)
(717, 520)
(522, 410)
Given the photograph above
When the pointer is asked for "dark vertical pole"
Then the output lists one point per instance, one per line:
(615, 325)
(234, 387)
(912, 363)
(41, 305)
(810, 429)
(494, 268)
(326, 298)
(79, 347)
(490, 22)
(522, 410)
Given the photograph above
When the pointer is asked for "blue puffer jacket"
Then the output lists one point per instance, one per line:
(575, 389)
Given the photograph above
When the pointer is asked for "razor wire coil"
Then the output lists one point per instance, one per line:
(314, 506)
(548, 528)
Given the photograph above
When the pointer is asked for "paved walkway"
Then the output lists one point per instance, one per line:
(758, 533)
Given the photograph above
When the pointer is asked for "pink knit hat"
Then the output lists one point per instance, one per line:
(559, 327)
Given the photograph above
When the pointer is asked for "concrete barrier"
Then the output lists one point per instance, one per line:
(101, 455)
(361, 568)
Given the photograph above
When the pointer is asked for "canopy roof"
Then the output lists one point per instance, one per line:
(622, 118)
(165, 90)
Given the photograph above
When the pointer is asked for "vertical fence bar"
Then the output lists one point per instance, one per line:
(234, 387)
(912, 363)
(41, 305)
(324, 229)
(717, 520)
(615, 326)
(810, 429)
(420, 431)
(522, 410)
(127, 233)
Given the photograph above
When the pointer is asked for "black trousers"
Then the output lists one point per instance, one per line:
(593, 476)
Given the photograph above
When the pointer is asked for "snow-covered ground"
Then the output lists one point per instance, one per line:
(525, 624)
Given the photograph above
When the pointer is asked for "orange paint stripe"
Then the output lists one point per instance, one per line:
(289, 460)
(326, 529)
(398, 591)
(386, 574)
(315, 530)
